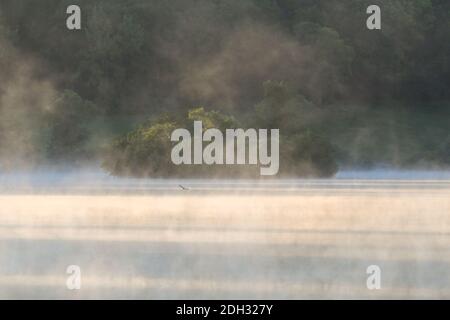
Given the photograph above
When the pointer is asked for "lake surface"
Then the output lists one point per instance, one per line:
(196, 239)
(87, 181)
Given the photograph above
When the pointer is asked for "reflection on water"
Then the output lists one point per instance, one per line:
(224, 239)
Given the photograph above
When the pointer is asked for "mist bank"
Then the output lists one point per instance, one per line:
(237, 245)
(94, 181)
(340, 138)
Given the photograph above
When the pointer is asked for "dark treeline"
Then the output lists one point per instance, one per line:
(340, 93)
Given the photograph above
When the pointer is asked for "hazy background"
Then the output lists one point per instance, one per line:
(342, 95)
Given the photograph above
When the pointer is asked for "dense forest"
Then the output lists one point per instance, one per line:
(341, 95)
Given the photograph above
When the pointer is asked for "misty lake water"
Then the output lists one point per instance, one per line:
(195, 239)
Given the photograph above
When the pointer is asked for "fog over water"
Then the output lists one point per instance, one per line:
(151, 239)
(92, 179)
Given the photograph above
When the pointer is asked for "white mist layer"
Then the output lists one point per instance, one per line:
(225, 239)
